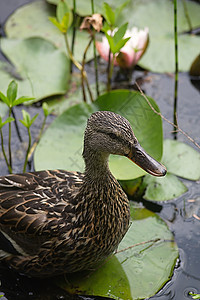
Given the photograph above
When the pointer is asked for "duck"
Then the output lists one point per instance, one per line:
(56, 221)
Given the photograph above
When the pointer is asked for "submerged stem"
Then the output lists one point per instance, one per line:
(95, 57)
(74, 31)
(16, 125)
(9, 140)
(28, 149)
(110, 74)
(37, 140)
(78, 65)
(176, 69)
(4, 153)
(82, 72)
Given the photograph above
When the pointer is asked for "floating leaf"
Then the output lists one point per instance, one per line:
(195, 67)
(43, 68)
(162, 189)
(3, 109)
(181, 160)
(160, 54)
(32, 20)
(138, 272)
(63, 140)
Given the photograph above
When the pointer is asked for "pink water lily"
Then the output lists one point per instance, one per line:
(133, 50)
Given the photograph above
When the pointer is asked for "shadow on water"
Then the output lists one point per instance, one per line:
(178, 214)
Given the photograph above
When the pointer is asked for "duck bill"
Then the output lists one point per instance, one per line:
(146, 162)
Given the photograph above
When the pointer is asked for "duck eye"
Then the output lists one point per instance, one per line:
(112, 135)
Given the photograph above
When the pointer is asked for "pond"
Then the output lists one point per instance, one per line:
(180, 214)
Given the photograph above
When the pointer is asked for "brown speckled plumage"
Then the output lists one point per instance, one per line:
(54, 222)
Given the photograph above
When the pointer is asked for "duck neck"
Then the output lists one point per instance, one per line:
(96, 165)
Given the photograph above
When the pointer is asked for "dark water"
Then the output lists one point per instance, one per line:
(178, 213)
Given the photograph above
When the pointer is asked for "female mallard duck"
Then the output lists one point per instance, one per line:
(55, 222)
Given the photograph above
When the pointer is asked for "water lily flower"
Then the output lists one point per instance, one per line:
(131, 52)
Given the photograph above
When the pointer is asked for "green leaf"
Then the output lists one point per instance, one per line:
(195, 296)
(66, 21)
(41, 60)
(33, 119)
(62, 9)
(136, 273)
(45, 108)
(181, 159)
(56, 23)
(119, 34)
(27, 121)
(110, 41)
(65, 134)
(162, 189)
(4, 98)
(32, 20)
(22, 100)
(109, 14)
(120, 45)
(8, 120)
(12, 92)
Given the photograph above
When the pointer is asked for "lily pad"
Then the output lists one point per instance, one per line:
(181, 159)
(58, 104)
(61, 145)
(83, 8)
(159, 56)
(42, 68)
(163, 189)
(135, 272)
(32, 20)
(3, 109)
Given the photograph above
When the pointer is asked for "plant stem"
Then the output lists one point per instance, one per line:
(82, 72)
(74, 31)
(16, 125)
(176, 69)
(37, 140)
(95, 56)
(28, 149)
(110, 74)
(187, 15)
(76, 63)
(9, 140)
(4, 153)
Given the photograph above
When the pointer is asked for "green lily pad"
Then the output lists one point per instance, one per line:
(83, 7)
(135, 272)
(58, 104)
(163, 189)
(43, 69)
(181, 159)
(61, 145)
(3, 109)
(32, 20)
(159, 56)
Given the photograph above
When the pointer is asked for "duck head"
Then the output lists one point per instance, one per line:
(109, 133)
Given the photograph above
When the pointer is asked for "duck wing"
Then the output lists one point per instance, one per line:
(33, 208)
